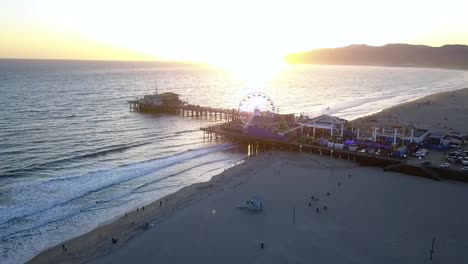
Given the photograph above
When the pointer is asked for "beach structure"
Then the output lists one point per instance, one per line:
(393, 134)
(437, 140)
(442, 141)
(170, 103)
(257, 121)
(254, 204)
(323, 125)
(158, 103)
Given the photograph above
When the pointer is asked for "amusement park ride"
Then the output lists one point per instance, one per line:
(255, 105)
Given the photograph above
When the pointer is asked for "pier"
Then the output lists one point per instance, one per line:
(364, 159)
(186, 110)
(386, 147)
(169, 103)
(387, 163)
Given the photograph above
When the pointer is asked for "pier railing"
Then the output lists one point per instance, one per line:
(186, 110)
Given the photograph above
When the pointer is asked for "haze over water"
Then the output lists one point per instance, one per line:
(71, 152)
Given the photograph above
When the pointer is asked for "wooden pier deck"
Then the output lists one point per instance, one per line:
(220, 114)
(359, 157)
(363, 159)
(186, 110)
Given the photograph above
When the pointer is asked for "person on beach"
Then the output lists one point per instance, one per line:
(166, 197)
(325, 208)
(262, 246)
(160, 203)
(64, 248)
(143, 208)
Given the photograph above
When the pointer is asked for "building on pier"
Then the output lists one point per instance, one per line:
(325, 124)
(157, 103)
(164, 99)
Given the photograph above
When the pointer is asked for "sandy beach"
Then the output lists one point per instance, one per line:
(372, 216)
(445, 112)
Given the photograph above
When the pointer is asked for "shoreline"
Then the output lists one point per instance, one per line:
(130, 224)
(444, 112)
(97, 243)
(419, 98)
(208, 210)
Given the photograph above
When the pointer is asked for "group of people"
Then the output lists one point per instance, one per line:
(315, 199)
(114, 239)
(145, 226)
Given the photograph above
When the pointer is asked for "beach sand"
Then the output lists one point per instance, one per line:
(445, 112)
(372, 217)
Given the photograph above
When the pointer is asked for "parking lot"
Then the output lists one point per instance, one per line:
(437, 157)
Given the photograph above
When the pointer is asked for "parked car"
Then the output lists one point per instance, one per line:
(465, 168)
(421, 153)
(426, 162)
(445, 165)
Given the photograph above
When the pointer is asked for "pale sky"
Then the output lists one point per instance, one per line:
(217, 31)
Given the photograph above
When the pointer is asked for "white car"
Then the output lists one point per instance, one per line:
(465, 168)
(421, 153)
(445, 165)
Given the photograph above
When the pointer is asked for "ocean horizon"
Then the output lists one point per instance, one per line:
(72, 152)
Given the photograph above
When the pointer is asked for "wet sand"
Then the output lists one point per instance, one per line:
(372, 217)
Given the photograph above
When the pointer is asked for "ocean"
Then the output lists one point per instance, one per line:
(72, 155)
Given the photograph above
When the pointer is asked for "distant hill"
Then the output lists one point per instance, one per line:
(394, 55)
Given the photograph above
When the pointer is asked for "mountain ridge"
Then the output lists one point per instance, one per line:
(450, 56)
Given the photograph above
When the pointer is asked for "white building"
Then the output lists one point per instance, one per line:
(334, 125)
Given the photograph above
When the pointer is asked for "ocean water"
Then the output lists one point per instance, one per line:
(72, 155)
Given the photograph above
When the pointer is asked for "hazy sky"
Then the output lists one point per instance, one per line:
(219, 31)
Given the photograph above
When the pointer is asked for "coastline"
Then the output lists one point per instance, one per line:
(383, 66)
(201, 223)
(129, 225)
(444, 112)
(97, 244)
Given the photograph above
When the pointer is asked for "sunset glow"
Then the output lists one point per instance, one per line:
(238, 35)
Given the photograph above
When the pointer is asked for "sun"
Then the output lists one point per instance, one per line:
(254, 70)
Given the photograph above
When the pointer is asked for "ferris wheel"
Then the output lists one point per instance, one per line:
(255, 104)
